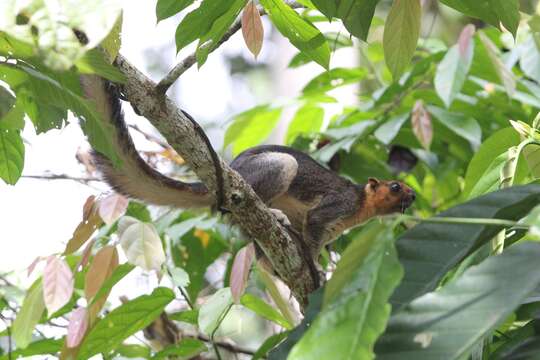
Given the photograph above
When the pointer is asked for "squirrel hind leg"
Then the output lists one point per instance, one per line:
(269, 173)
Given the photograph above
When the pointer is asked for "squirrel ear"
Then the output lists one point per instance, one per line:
(373, 182)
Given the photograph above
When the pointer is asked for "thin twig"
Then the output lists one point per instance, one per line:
(190, 60)
(212, 336)
(62, 177)
(227, 346)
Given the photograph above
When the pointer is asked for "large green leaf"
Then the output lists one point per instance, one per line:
(29, 315)
(214, 309)
(219, 27)
(447, 324)
(314, 306)
(52, 29)
(39, 347)
(199, 21)
(491, 11)
(495, 145)
(466, 127)
(308, 119)
(401, 33)
(334, 78)
(11, 156)
(168, 8)
(125, 321)
(429, 250)
(301, 33)
(250, 128)
(355, 308)
(261, 308)
(62, 91)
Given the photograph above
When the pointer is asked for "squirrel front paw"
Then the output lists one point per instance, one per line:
(281, 217)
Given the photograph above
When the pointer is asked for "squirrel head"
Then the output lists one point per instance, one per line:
(386, 197)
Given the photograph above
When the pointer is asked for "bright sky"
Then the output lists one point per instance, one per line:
(38, 216)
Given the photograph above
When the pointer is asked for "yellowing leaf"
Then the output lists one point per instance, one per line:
(78, 324)
(112, 208)
(57, 284)
(252, 28)
(203, 236)
(421, 124)
(240, 271)
(104, 263)
(142, 246)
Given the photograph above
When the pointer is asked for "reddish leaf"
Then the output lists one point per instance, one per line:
(88, 206)
(240, 271)
(57, 284)
(421, 124)
(33, 265)
(252, 28)
(85, 255)
(78, 323)
(112, 207)
(464, 41)
(104, 263)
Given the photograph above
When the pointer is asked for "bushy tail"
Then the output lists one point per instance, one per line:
(135, 178)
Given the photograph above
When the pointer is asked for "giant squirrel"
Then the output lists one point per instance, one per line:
(315, 201)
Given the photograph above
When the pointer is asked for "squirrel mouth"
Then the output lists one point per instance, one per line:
(405, 204)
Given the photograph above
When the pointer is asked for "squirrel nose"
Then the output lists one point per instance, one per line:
(412, 194)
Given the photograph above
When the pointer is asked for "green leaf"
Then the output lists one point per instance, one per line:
(133, 351)
(466, 127)
(199, 22)
(314, 306)
(194, 252)
(269, 344)
(51, 30)
(452, 72)
(355, 309)
(448, 323)
(94, 62)
(334, 78)
(11, 156)
(529, 58)
(29, 315)
(532, 156)
(221, 24)
(189, 316)
(43, 116)
(504, 74)
(186, 349)
(168, 8)
(261, 308)
(252, 127)
(39, 347)
(125, 321)
(388, 131)
(12, 115)
(301, 33)
(62, 91)
(213, 310)
(356, 15)
(327, 7)
(429, 250)
(401, 33)
(495, 145)
(308, 119)
(7, 101)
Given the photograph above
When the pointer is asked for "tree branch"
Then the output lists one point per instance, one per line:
(248, 211)
(190, 60)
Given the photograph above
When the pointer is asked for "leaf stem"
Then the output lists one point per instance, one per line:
(466, 221)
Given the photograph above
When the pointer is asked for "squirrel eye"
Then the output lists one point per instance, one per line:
(395, 187)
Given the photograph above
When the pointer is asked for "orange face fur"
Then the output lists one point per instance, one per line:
(386, 197)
